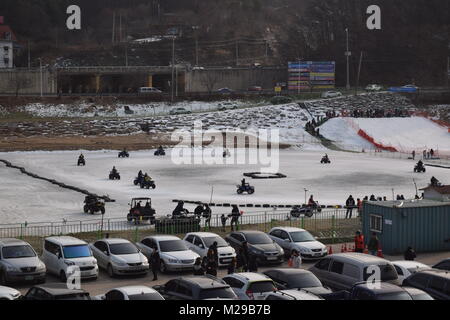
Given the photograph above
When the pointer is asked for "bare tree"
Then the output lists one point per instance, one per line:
(19, 81)
(209, 79)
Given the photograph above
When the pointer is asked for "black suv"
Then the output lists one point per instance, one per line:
(291, 278)
(196, 288)
(259, 245)
(57, 291)
(434, 282)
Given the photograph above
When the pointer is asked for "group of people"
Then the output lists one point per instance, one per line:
(143, 177)
(203, 210)
(428, 154)
(379, 113)
(312, 127)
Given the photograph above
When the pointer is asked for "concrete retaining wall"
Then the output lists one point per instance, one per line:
(28, 82)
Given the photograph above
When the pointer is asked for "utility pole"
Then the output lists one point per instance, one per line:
(306, 190)
(173, 66)
(29, 55)
(359, 73)
(237, 53)
(120, 27)
(299, 75)
(40, 69)
(348, 54)
(114, 27)
(196, 51)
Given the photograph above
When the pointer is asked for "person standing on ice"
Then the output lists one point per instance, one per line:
(413, 155)
(350, 204)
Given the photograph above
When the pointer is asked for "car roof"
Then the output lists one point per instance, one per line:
(358, 257)
(163, 237)
(204, 282)
(12, 242)
(381, 287)
(59, 289)
(290, 271)
(132, 290)
(66, 240)
(414, 291)
(203, 234)
(114, 240)
(298, 294)
(436, 272)
(250, 276)
(287, 229)
(444, 260)
(410, 264)
(248, 232)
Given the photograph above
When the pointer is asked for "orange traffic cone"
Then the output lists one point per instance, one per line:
(366, 251)
(330, 250)
(380, 252)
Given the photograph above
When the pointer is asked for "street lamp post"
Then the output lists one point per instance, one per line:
(348, 53)
(299, 76)
(40, 70)
(306, 190)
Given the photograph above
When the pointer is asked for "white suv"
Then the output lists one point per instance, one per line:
(250, 285)
(199, 242)
(173, 252)
(331, 94)
(63, 252)
(290, 238)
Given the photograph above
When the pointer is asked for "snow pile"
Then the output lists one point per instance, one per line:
(404, 134)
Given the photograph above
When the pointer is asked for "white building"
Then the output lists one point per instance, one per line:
(438, 193)
(7, 40)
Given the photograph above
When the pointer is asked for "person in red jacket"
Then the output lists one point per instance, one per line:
(359, 242)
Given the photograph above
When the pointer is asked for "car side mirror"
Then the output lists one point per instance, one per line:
(287, 240)
(58, 255)
(201, 246)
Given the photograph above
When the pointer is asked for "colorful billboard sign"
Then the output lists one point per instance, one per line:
(308, 75)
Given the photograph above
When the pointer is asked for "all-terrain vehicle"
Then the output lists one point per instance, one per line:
(124, 154)
(147, 184)
(305, 210)
(141, 210)
(419, 167)
(325, 160)
(245, 188)
(160, 152)
(114, 175)
(93, 204)
(81, 161)
(138, 180)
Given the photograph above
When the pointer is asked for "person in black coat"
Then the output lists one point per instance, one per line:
(350, 204)
(214, 251)
(207, 214)
(252, 263)
(198, 211)
(410, 254)
(235, 214)
(198, 268)
(241, 261)
(155, 263)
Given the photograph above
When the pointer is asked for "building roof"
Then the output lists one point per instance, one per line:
(439, 189)
(422, 203)
(4, 30)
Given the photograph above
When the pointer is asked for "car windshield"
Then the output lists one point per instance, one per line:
(123, 248)
(146, 296)
(15, 252)
(394, 296)
(302, 236)
(387, 272)
(262, 286)
(210, 240)
(258, 238)
(226, 293)
(172, 245)
(303, 280)
(79, 251)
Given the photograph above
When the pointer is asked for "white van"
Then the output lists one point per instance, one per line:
(62, 252)
(148, 90)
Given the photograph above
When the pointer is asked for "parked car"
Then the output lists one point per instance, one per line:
(62, 252)
(406, 88)
(225, 91)
(331, 94)
(227, 106)
(131, 293)
(174, 254)
(373, 87)
(119, 257)
(287, 278)
(149, 90)
(341, 271)
(9, 294)
(176, 111)
(443, 265)
(250, 285)
(417, 294)
(58, 291)
(434, 282)
(260, 244)
(19, 262)
(377, 291)
(199, 242)
(255, 89)
(196, 288)
(280, 100)
(291, 295)
(290, 238)
(406, 268)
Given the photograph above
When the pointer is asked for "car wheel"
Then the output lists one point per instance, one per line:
(110, 271)
(62, 276)
(162, 267)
